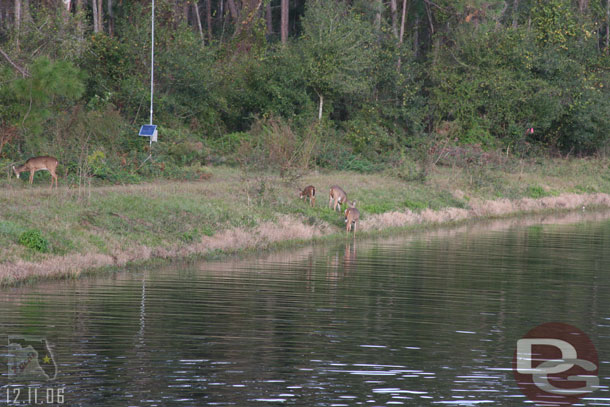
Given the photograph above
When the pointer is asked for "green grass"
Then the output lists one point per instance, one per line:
(166, 214)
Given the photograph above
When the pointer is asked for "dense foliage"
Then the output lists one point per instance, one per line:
(372, 84)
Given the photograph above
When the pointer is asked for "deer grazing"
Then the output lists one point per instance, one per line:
(352, 216)
(37, 164)
(309, 192)
(338, 196)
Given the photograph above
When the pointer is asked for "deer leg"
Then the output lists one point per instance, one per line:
(32, 176)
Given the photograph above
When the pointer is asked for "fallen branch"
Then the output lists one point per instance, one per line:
(17, 67)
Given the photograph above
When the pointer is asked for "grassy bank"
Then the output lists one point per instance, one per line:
(44, 234)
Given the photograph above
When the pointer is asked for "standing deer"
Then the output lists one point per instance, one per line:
(338, 196)
(309, 192)
(37, 164)
(352, 217)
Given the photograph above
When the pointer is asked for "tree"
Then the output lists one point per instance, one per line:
(337, 50)
(96, 26)
(284, 22)
(394, 14)
(233, 10)
(208, 18)
(17, 21)
(110, 17)
(555, 23)
(198, 18)
(46, 91)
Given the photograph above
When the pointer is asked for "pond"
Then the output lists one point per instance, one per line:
(421, 318)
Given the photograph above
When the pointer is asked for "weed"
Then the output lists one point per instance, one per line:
(34, 240)
(380, 207)
(414, 205)
(535, 191)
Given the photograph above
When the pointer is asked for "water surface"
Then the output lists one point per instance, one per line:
(428, 318)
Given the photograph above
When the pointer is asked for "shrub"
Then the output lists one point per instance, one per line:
(415, 205)
(275, 146)
(34, 240)
(224, 148)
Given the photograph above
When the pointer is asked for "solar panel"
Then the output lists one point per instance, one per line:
(148, 130)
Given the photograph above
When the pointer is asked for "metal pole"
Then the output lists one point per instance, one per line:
(152, 61)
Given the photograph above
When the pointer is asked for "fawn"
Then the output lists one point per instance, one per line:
(309, 192)
(352, 217)
(338, 196)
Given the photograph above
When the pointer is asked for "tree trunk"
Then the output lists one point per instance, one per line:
(25, 11)
(583, 5)
(17, 21)
(65, 10)
(285, 21)
(269, 18)
(78, 6)
(403, 21)
(321, 105)
(100, 15)
(198, 18)
(608, 26)
(110, 18)
(208, 17)
(402, 29)
(394, 12)
(223, 18)
(515, 13)
(233, 10)
(429, 14)
(96, 28)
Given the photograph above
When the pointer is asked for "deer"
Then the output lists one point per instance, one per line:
(352, 217)
(309, 192)
(338, 196)
(37, 164)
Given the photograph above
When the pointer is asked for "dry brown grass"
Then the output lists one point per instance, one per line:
(485, 209)
(260, 237)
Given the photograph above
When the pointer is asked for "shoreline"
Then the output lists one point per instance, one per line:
(290, 231)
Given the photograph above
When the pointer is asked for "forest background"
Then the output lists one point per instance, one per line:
(362, 85)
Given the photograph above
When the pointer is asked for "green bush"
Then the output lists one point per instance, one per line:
(536, 191)
(224, 148)
(415, 205)
(34, 240)
(380, 207)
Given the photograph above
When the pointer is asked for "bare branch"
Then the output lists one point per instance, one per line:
(21, 70)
